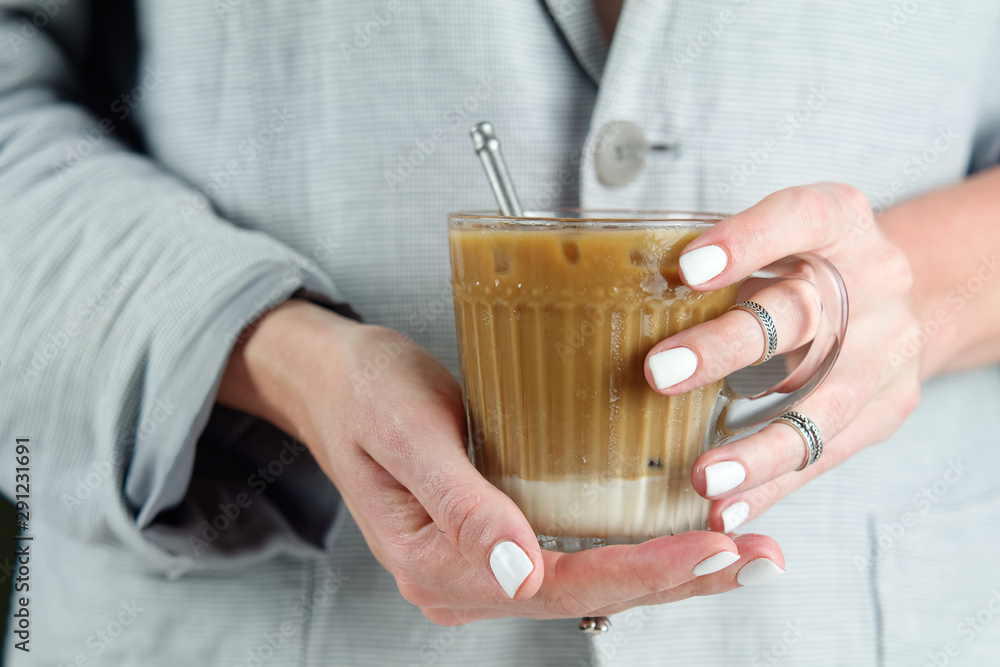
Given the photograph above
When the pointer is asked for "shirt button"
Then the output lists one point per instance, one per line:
(620, 153)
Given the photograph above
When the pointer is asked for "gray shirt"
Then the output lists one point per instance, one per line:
(315, 148)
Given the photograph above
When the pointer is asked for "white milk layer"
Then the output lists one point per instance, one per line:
(624, 510)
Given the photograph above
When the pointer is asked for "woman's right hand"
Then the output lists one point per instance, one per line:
(385, 422)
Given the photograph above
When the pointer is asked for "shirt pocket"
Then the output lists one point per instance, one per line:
(937, 581)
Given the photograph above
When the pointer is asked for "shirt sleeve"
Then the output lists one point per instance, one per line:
(986, 149)
(121, 296)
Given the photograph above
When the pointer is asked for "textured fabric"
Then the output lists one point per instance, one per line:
(319, 146)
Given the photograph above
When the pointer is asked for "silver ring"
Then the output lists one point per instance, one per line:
(594, 625)
(766, 323)
(810, 434)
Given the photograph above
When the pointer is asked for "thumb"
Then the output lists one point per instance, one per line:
(484, 524)
(487, 528)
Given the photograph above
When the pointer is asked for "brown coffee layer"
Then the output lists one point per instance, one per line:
(554, 326)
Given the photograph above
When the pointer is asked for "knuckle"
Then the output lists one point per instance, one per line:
(841, 405)
(911, 398)
(898, 273)
(801, 309)
(647, 581)
(458, 511)
(750, 238)
(812, 206)
(415, 592)
(442, 617)
(744, 332)
(567, 603)
(853, 198)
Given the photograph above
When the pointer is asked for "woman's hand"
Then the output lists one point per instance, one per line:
(385, 421)
(874, 384)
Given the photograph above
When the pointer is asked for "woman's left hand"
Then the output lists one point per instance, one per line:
(873, 386)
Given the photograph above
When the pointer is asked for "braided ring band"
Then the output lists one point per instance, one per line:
(766, 323)
(810, 435)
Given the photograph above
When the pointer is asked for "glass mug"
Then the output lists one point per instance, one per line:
(555, 314)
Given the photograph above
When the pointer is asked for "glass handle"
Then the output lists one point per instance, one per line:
(741, 413)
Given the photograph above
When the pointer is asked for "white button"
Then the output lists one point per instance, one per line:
(620, 153)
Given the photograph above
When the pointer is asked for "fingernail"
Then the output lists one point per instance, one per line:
(758, 571)
(722, 477)
(734, 516)
(510, 565)
(672, 367)
(702, 264)
(716, 562)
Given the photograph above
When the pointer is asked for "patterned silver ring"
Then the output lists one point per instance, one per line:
(766, 323)
(810, 435)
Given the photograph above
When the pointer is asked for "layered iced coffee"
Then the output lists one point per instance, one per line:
(554, 323)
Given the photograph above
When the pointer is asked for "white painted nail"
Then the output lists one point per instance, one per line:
(758, 571)
(734, 516)
(671, 367)
(716, 562)
(722, 477)
(510, 565)
(701, 265)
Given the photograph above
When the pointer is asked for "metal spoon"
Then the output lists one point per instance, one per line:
(488, 149)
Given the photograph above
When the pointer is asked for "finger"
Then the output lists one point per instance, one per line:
(760, 559)
(482, 523)
(734, 340)
(759, 454)
(577, 583)
(427, 568)
(800, 219)
(779, 448)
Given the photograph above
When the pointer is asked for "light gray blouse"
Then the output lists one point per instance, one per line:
(318, 146)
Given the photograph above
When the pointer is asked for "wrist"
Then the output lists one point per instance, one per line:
(271, 372)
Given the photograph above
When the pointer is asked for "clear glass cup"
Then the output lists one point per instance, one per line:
(555, 314)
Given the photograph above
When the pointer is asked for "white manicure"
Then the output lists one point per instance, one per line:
(672, 367)
(714, 563)
(722, 477)
(758, 571)
(734, 516)
(701, 265)
(510, 565)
